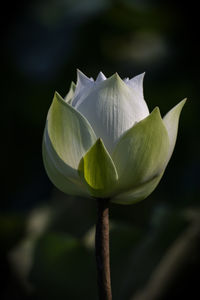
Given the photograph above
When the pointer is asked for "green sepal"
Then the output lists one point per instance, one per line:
(98, 171)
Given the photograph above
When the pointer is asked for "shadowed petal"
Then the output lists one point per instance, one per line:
(138, 193)
(171, 120)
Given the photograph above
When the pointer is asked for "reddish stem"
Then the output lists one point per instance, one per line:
(102, 250)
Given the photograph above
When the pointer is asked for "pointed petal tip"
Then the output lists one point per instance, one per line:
(139, 76)
(100, 142)
(80, 74)
(142, 75)
(78, 71)
(82, 77)
(180, 105)
(58, 97)
(100, 77)
(156, 111)
(116, 78)
(184, 101)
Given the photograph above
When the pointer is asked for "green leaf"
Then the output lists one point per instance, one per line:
(171, 120)
(141, 153)
(67, 137)
(138, 193)
(98, 171)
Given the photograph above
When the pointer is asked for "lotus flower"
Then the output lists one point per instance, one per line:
(101, 141)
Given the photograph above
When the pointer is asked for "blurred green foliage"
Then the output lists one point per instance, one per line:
(47, 238)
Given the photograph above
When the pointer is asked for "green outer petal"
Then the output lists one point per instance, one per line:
(98, 171)
(67, 137)
(69, 132)
(141, 153)
(58, 177)
(171, 120)
(62, 176)
(69, 97)
(139, 193)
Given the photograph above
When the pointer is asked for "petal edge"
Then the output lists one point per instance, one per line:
(171, 121)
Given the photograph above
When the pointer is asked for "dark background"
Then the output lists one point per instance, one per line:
(46, 237)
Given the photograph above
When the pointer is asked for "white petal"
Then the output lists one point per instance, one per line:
(82, 79)
(83, 87)
(112, 108)
(101, 77)
(137, 83)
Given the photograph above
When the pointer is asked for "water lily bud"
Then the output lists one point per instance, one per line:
(101, 141)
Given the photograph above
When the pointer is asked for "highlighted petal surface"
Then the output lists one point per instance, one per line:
(100, 77)
(112, 108)
(98, 171)
(137, 83)
(141, 153)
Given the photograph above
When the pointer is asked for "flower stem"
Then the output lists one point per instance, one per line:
(102, 250)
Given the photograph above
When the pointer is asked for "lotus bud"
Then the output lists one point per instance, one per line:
(101, 140)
